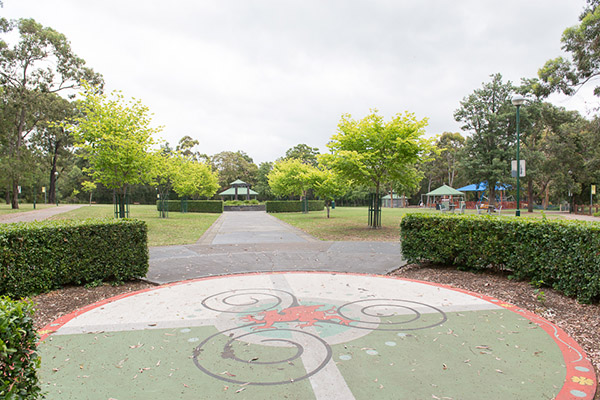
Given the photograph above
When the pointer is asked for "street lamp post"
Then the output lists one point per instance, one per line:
(55, 187)
(518, 101)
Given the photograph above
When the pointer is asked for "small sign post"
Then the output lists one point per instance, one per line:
(592, 193)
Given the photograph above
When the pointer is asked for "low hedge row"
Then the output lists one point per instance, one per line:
(293, 206)
(562, 254)
(18, 357)
(41, 256)
(200, 206)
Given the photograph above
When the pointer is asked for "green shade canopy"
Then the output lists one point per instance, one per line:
(238, 182)
(241, 191)
(396, 197)
(445, 190)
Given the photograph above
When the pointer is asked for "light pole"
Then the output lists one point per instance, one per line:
(56, 187)
(518, 101)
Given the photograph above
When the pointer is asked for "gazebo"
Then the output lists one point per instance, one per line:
(239, 187)
(442, 191)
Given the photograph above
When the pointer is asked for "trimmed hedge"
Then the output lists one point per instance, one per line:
(562, 254)
(18, 357)
(293, 206)
(200, 206)
(41, 256)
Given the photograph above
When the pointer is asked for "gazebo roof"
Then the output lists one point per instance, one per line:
(396, 196)
(238, 182)
(445, 190)
(240, 191)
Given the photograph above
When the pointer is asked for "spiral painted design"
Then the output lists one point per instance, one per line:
(301, 340)
(364, 314)
(239, 300)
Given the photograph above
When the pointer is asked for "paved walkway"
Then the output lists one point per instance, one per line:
(37, 215)
(303, 335)
(245, 242)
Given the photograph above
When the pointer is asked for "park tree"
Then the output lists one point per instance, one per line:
(54, 141)
(166, 167)
(291, 177)
(116, 139)
(374, 152)
(442, 164)
(328, 185)
(262, 180)
(39, 64)
(567, 75)
(488, 116)
(89, 187)
(450, 145)
(194, 179)
(306, 154)
(232, 165)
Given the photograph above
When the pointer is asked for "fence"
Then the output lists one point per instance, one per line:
(587, 209)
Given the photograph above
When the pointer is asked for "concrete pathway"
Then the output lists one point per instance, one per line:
(37, 215)
(244, 242)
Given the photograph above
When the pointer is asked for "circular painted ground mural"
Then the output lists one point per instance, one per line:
(310, 336)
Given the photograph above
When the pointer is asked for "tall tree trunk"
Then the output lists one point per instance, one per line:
(7, 197)
(547, 196)
(52, 187)
(530, 195)
(14, 201)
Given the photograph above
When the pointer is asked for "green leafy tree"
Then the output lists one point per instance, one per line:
(581, 42)
(291, 177)
(306, 154)
(53, 141)
(373, 152)
(117, 141)
(234, 165)
(166, 168)
(262, 180)
(89, 187)
(41, 63)
(328, 185)
(489, 117)
(194, 179)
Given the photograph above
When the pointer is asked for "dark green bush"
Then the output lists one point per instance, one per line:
(200, 206)
(563, 254)
(293, 206)
(241, 202)
(18, 357)
(41, 256)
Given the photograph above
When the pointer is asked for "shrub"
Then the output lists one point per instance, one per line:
(293, 206)
(241, 202)
(200, 206)
(18, 357)
(42, 256)
(563, 254)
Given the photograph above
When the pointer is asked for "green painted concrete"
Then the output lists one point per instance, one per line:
(151, 364)
(474, 355)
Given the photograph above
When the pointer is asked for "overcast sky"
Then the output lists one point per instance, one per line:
(263, 76)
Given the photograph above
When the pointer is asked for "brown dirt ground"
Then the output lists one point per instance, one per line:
(580, 321)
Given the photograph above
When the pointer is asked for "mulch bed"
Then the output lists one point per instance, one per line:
(580, 321)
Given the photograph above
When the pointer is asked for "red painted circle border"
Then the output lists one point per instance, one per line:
(574, 355)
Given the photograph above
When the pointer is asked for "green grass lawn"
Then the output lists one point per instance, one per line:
(5, 208)
(350, 223)
(177, 229)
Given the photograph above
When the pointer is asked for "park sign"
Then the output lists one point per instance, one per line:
(513, 168)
